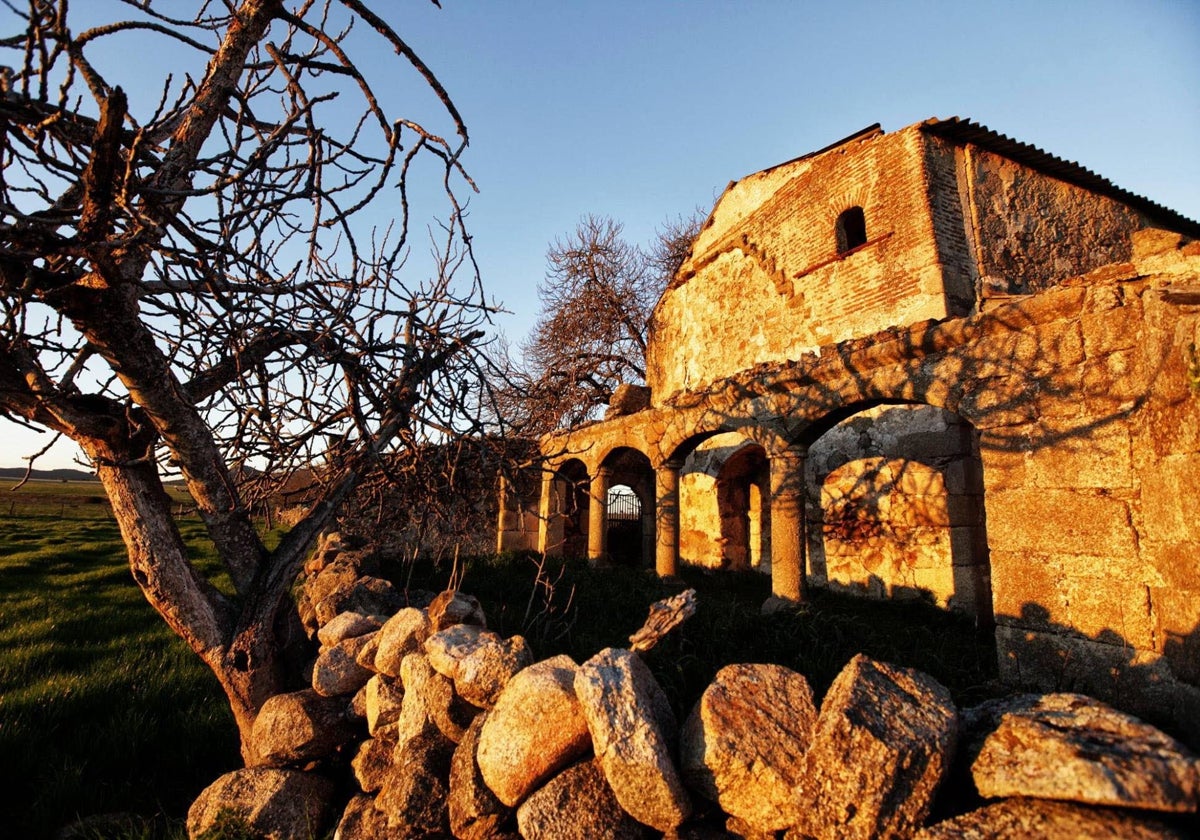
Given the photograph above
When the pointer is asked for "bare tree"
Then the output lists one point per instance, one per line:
(187, 283)
(596, 299)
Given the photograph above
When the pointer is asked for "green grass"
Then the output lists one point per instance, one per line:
(103, 710)
(589, 609)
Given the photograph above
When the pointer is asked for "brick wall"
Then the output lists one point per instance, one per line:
(766, 282)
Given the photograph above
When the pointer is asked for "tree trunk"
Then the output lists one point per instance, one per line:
(240, 646)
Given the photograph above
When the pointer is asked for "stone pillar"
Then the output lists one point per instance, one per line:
(598, 515)
(550, 517)
(504, 521)
(787, 524)
(666, 558)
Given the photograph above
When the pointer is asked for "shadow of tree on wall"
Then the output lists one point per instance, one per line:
(1037, 653)
(1063, 388)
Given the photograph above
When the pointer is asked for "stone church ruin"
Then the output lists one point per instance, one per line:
(935, 363)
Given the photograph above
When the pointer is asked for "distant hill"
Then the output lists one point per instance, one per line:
(48, 475)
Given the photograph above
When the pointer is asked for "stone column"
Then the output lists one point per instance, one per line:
(598, 515)
(666, 558)
(504, 521)
(787, 524)
(550, 517)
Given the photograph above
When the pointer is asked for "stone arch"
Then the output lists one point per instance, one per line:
(626, 540)
(743, 487)
(767, 430)
(894, 495)
(570, 512)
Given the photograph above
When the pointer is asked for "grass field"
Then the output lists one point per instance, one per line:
(102, 708)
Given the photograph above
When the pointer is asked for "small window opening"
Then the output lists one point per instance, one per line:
(851, 230)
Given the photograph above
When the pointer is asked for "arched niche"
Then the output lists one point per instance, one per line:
(895, 507)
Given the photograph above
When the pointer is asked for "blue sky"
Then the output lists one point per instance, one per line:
(644, 110)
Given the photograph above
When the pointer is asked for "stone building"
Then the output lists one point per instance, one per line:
(935, 363)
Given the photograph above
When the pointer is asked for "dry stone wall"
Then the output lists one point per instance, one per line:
(555, 750)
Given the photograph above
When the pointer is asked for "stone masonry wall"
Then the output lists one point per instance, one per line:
(1095, 549)
(1035, 231)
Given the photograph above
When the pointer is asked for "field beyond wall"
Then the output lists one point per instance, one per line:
(103, 710)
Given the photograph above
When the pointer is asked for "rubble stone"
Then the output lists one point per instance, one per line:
(347, 625)
(337, 670)
(1075, 748)
(276, 804)
(1025, 819)
(450, 608)
(362, 821)
(535, 729)
(479, 662)
(373, 760)
(577, 804)
(743, 745)
(404, 633)
(628, 717)
(413, 796)
(301, 726)
(383, 701)
(475, 812)
(883, 739)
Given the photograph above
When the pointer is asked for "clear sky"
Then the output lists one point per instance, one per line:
(644, 110)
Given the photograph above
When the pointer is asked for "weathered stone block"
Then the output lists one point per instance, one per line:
(337, 670)
(373, 761)
(1047, 820)
(384, 698)
(1176, 565)
(404, 633)
(361, 820)
(1026, 589)
(346, 626)
(743, 744)
(1060, 522)
(1102, 604)
(536, 728)
(278, 804)
(633, 729)
(1170, 503)
(301, 726)
(1177, 624)
(883, 740)
(413, 796)
(1071, 747)
(1082, 457)
(577, 804)
(475, 812)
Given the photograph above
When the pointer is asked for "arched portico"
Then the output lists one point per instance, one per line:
(629, 468)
